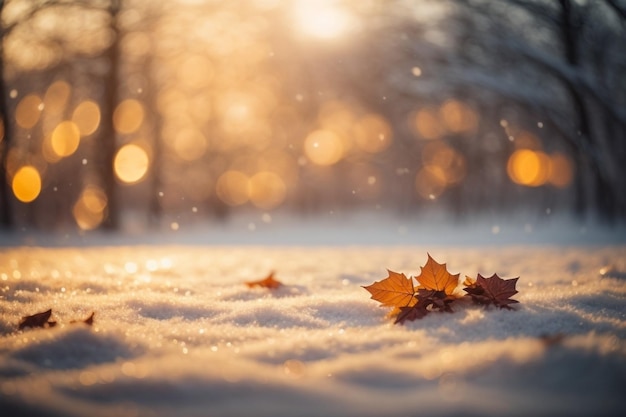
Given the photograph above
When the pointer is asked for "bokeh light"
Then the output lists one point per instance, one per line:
(267, 190)
(28, 111)
(131, 163)
(128, 116)
(56, 97)
(458, 117)
(233, 188)
(561, 170)
(529, 168)
(89, 209)
(190, 144)
(86, 116)
(372, 133)
(427, 124)
(323, 147)
(26, 184)
(65, 138)
(430, 182)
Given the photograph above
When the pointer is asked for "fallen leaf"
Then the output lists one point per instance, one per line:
(37, 320)
(88, 321)
(493, 290)
(434, 276)
(267, 282)
(394, 291)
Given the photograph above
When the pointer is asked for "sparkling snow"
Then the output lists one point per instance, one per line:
(176, 332)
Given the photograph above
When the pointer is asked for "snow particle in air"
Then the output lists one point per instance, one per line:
(416, 71)
(194, 209)
(266, 218)
(495, 229)
(174, 226)
(13, 93)
(84, 161)
(540, 125)
(251, 226)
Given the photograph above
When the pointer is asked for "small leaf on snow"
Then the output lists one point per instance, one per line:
(88, 321)
(394, 291)
(267, 282)
(435, 276)
(37, 320)
(493, 290)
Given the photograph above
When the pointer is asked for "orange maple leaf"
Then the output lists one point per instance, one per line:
(394, 291)
(434, 276)
(267, 282)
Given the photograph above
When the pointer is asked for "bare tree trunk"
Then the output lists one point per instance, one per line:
(602, 195)
(6, 218)
(107, 134)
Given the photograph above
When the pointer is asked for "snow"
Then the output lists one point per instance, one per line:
(176, 332)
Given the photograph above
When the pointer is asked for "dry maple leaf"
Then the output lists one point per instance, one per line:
(394, 291)
(434, 276)
(493, 290)
(267, 282)
(427, 300)
(88, 321)
(37, 320)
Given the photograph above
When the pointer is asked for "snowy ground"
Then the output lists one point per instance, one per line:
(176, 333)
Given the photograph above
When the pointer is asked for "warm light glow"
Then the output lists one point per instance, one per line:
(190, 144)
(452, 163)
(526, 140)
(131, 164)
(87, 117)
(427, 124)
(26, 184)
(56, 97)
(323, 147)
(323, 19)
(561, 171)
(458, 117)
(89, 209)
(430, 182)
(233, 188)
(373, 134)
(267, 190)
(128, 116)
(528, 167)
(195, 71)
(65, 138)
(28, 111)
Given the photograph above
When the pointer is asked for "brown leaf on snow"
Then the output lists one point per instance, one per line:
(37, 320)
(267, 282)
(394, 291)
(493, 290)
(88, 321)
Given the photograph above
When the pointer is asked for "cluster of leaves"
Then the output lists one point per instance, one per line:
(43, 320)
(435, 291)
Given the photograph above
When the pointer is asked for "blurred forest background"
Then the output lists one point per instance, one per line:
(122, 114)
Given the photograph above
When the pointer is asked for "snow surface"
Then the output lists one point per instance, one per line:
(177, 333)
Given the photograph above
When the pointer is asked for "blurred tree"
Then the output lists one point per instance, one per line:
(545, 57)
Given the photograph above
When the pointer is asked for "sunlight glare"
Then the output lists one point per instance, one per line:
(323, 19)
